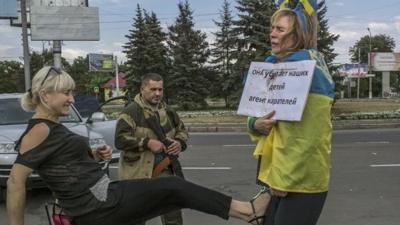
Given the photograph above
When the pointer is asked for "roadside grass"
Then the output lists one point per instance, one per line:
(366, 106)
(341, 106)
(219, 115)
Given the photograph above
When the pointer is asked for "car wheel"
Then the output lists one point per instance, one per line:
(3, 193)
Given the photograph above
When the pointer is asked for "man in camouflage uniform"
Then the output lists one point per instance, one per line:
(139, 142)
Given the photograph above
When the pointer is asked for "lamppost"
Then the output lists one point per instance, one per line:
(369, 64)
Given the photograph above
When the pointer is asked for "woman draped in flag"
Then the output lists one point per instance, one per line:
(294, 156)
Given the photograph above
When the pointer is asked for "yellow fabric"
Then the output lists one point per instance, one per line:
(307, 6)
(295, 156)
(283, 4)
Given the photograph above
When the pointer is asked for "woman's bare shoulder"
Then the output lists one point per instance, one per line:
(34, 137)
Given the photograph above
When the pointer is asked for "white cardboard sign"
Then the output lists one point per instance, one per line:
(282, 87)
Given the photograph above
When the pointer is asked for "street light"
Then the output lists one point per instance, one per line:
(369, 64)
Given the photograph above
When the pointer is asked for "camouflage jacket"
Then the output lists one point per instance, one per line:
(133, 133)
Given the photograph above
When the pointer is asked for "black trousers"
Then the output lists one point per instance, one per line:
(134, 201)
(295, 209)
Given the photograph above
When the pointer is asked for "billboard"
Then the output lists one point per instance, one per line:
(385, 61)
(8, 9)
(101, 62)
(64, 23)
(63, 3)
(16, 22)
(353, 70)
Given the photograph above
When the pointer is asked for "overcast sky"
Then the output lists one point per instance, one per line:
(348, 18)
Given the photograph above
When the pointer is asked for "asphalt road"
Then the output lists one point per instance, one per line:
(364, 190)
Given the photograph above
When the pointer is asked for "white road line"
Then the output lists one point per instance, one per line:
(372, 142)
(385, 165)
(206, 168)
(191, 168)
(240, 145)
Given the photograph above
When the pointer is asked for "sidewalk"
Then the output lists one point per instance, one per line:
(337, 125)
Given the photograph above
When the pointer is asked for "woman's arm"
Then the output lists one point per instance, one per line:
(16, 191)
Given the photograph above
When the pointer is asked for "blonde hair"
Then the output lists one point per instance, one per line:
(49, 80)
(301, 39)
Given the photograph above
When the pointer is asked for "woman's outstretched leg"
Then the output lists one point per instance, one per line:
(142, 199)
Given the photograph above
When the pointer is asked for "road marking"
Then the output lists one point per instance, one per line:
(372, 142)
(207, 168)
(240, 145)
(191, 168)
(385, 165)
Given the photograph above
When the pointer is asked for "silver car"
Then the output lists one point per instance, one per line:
(13, 121)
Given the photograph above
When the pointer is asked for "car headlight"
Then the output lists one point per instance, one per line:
(7, 148)
(96, 142)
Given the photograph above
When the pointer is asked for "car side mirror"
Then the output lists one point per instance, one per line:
(98, 117)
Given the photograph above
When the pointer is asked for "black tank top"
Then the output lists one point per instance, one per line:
(64, 162)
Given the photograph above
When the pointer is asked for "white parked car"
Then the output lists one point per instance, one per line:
(13, 121)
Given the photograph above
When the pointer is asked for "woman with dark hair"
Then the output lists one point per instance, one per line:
(68, 166)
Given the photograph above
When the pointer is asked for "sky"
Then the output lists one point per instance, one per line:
(348, 18)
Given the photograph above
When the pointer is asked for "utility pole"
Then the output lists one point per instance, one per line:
(116, 76)
(25, 46)
(57, 54)
(369, 64)
(359, 72)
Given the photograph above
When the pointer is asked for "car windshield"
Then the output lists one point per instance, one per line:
(12, 113)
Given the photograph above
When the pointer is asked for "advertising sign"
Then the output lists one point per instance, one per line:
(64, 23)
(282, 87)
(353, 70)
(8, 9)
(101, 62)
(385, 61)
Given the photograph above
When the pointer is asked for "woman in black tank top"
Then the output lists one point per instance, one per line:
(67, 165)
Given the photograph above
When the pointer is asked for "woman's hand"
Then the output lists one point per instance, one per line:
(264, 124)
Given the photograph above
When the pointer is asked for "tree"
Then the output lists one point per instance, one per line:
(325, 39)
(45, 58)
(253, 27)
(135, 50)
(79, 70)
(359, 53)
(379, 43)
(156, 48)
(225, 83)
(253, 43)
(146, 49)
(11, 77)
(188, 49)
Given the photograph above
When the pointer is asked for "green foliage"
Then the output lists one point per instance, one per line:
(325, 39)
(145, 49)
(45, 58)
(11, 77)
(377, 43)
(252, 29)
(188, 84)
(135, 50)
(226, 82)
(79, 70)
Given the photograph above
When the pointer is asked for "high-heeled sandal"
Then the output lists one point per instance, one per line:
(264, 190)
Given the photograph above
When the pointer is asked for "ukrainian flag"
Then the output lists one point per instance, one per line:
(295, 156)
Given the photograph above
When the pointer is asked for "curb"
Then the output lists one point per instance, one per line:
(337, 125)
